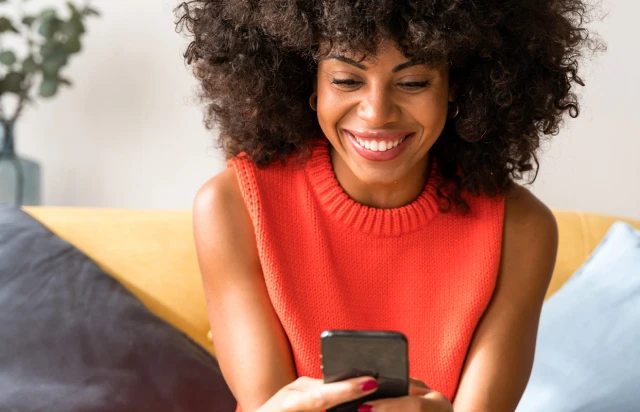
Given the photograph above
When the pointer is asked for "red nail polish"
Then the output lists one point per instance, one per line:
(365, 408)
(369, 386)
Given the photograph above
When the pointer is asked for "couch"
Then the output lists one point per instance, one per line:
(152, 254)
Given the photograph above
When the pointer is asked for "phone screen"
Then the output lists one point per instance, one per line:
(383, 355)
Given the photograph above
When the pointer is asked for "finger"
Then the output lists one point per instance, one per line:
(326, 395)
(417, 387)
(405, 404)
(418, 382)
(418, 390)
(432, 401)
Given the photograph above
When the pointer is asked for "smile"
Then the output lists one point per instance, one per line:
(379, 146)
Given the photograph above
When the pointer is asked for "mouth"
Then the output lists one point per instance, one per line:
(378, 146)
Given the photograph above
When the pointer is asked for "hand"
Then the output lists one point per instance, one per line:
(313, 395)
(420, 399)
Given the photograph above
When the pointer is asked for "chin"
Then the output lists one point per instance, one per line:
(378, 175)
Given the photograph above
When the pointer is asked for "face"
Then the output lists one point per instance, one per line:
(381, 115)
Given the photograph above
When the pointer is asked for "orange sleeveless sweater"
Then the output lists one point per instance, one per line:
(332, 263)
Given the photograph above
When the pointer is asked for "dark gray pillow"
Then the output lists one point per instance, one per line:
(73, 339)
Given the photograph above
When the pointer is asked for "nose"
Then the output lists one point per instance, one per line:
(378, 108)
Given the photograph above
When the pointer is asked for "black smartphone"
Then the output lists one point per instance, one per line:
(351, 353)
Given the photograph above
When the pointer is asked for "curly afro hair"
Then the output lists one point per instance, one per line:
(512, 64)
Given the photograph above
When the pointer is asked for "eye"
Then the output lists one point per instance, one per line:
(415, 85)
(346, 83)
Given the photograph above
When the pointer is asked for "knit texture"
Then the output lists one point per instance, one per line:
(332, 263)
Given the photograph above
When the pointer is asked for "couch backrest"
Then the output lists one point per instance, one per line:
(153, 255)
(579, 234)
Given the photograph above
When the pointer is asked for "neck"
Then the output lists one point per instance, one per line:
(389, 195)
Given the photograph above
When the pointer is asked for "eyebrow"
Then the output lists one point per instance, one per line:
(363, 67)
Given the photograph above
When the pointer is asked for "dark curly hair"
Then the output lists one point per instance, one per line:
(512, 64)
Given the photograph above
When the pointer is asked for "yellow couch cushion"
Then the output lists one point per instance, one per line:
(152, 254)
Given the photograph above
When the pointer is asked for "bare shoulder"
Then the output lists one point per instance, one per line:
(220, 194)
(523, 208)
(219, 206)
(530, 240)
(222, 227)
(532, 220)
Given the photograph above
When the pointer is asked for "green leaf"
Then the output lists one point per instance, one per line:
(73, 45)
(53, 65)
(29, 65)
(54, 56)
(65, 81)
(88, 11)
(13, 82)
(28, 20)
(49, 86)
(73, 8)
(49, 49)
(49, 27)
(74, 27)
(7, 57)
(6, 25)
(47, 14)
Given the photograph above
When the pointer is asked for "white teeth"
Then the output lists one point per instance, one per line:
(376, 146)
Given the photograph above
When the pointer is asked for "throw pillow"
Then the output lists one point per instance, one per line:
(588, 348)
(73, 339)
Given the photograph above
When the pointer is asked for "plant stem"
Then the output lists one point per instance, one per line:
(23, 99)
(28, 80)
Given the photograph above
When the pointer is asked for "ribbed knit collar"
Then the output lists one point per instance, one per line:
(381, 222)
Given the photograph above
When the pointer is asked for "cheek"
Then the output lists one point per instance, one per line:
(431, 113)
(332, 107)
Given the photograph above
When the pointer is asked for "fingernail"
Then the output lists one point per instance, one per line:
(365, 408)
(369, 386)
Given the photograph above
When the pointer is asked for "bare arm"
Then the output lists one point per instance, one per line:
(500, 358)
(251, 346)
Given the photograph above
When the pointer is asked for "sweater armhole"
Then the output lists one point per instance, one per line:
(247, 180)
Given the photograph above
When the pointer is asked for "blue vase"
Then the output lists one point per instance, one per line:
(19, 177)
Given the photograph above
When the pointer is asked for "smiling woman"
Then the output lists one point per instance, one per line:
(373, 151)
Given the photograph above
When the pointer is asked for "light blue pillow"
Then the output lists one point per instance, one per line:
(588, 348)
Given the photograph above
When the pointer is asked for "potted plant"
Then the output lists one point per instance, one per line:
(47, 40)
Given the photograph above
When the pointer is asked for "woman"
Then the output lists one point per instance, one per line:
(373, 151)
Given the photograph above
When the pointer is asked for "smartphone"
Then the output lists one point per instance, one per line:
(351, 353)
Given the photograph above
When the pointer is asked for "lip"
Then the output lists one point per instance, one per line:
(378, 156)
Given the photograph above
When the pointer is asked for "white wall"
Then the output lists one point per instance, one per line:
(129, 133)
(594, 163)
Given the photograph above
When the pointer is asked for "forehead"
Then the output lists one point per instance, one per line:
(383, 54)
(386, 49)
